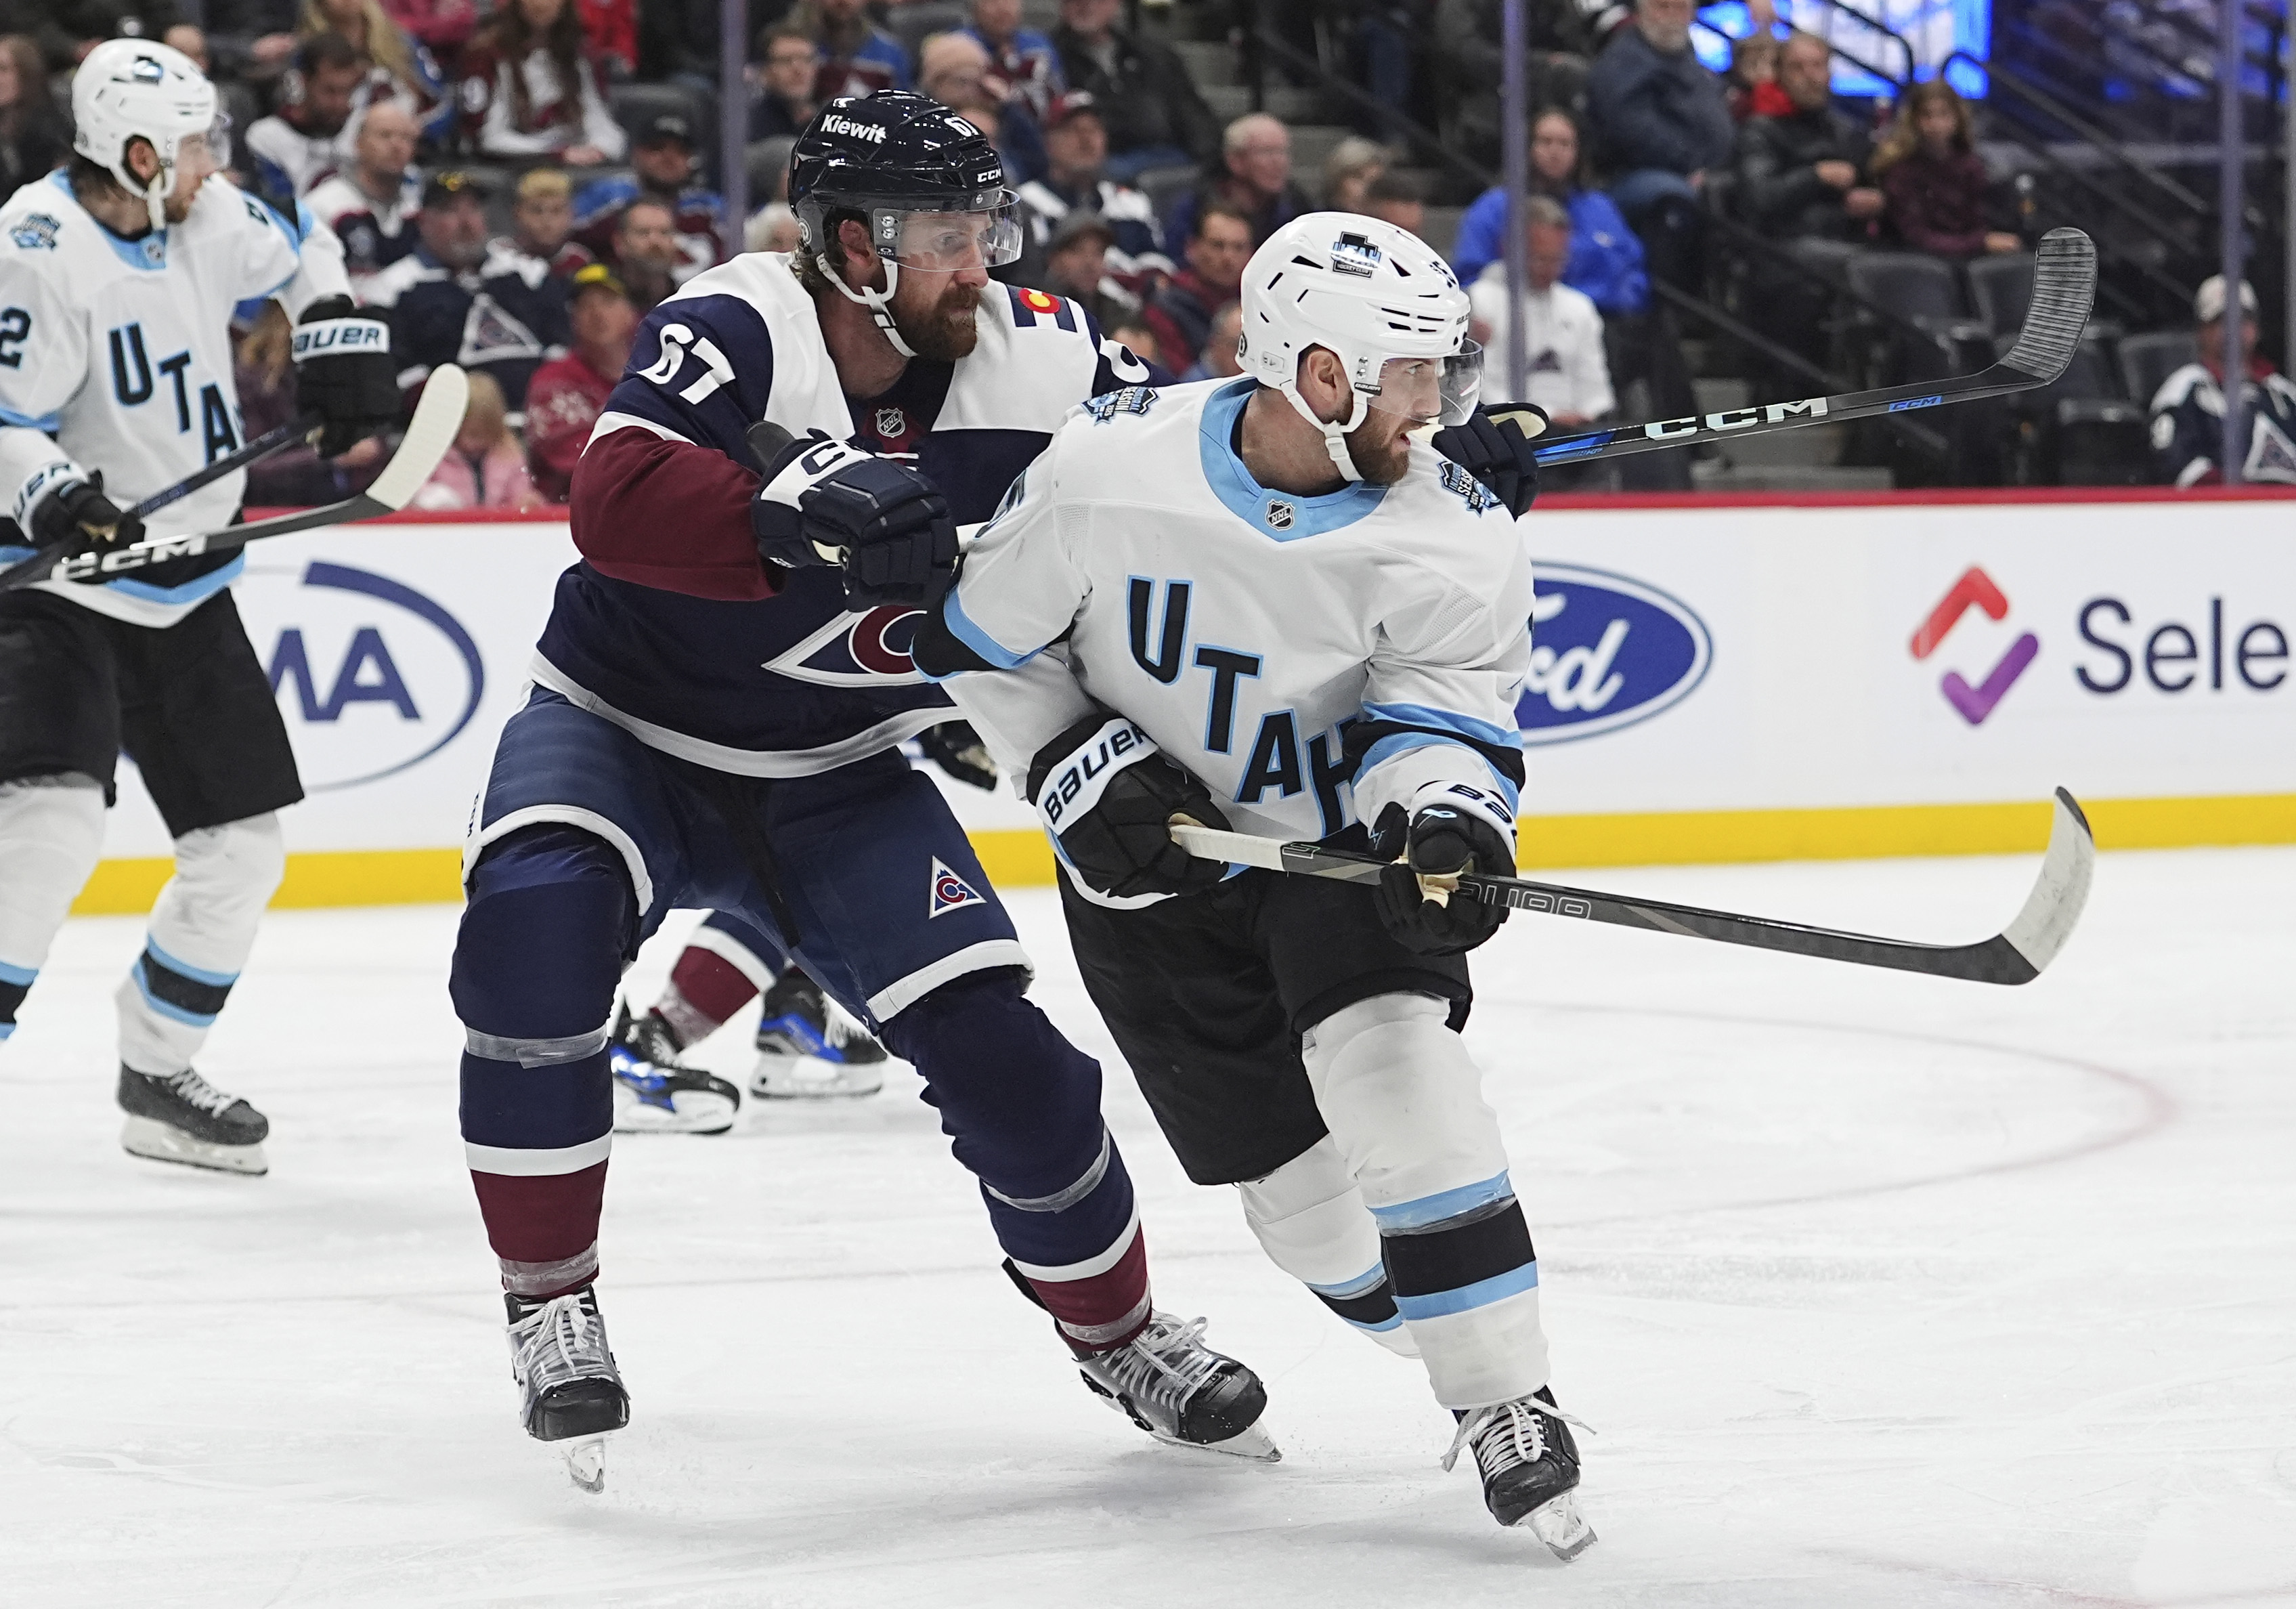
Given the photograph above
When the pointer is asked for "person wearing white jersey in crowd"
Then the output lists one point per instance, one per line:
(1566, 373)
(117, 276)
(1259, 604)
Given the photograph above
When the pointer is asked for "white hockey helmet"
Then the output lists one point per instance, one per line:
(1381, 300)
(127, 87)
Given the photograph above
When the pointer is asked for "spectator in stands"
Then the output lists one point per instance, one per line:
(954, 69)
(452, 300)
(1219, 361)
(1468, 54)
(856, 56)
(772, 227)
(645, 251)
(1354, 164)
(2188, 409)
(308, 137)
(786, 101)
(66, 30)
(1396, 198)
(1076, 145)
(1076, 267)
(234, 98)
(371, 204)
(1752, 84)
(1803, 176)
(1254, 177)
(1606, 256)
(1181, 312)
(443, 26)
(1154, 117)
(1567, 373)
(1932, 180)
(397, 67)
(529, 90)
(1660, 124)
(542, 224)
(252, 40)
(1022, 59)
(611, 27)
(661, 169)
(487, 467)
(678, 42)
(33, 137)
(565, 397)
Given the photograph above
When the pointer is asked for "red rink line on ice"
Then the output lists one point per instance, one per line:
(2159, 1109)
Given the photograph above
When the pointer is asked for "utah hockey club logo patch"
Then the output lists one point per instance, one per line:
(950, 892)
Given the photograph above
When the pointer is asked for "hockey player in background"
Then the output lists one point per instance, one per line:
(716, 722)
(118, 276)
(1257, 602)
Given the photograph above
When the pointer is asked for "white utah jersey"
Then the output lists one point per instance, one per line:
(1309, 660)
(116, 355)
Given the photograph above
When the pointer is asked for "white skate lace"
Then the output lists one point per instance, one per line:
(562, 1341)
(193, 1090)
(838, 1026)
(1523, 1419)
(1166, 1334)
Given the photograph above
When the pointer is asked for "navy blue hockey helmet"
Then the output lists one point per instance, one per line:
(894, 155)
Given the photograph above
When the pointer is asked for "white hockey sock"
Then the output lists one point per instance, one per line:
(202, 926)
(1311, 1221)
(1404, 1103)
(51, 832)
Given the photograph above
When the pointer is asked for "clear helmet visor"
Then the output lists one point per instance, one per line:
(950, 242)
(1430, 392)
(208, 151)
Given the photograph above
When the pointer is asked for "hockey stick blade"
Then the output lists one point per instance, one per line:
(2018, 953)
(431, 432)
(2064, 289)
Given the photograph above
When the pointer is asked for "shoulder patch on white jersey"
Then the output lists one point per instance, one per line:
(36, 232)
(1131, 399)
(1473, 493)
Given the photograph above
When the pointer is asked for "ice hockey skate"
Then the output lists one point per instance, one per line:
(1170, 1384)
(182, 1118)
(1529, 1467)
(654, 1092)
(809, 1050)
(572, 1393)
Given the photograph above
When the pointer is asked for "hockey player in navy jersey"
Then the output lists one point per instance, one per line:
(716, 722)
(1258, 602)
(118, 277)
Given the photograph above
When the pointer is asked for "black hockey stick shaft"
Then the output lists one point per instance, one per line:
(2015, 955)
(2064, 289)
(25, 571)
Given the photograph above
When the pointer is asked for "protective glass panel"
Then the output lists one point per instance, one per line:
(1432, 391)
(950, 242)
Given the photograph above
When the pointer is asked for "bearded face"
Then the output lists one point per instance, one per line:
(934, 313)
(1380, 447)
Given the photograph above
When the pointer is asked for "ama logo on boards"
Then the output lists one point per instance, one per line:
(1606, 651)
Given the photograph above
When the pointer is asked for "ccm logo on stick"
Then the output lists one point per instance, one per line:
(2173, 651)
(1736, 419)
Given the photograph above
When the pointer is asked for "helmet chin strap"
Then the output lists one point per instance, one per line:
(1335, 434)
(155, 194)
(879, 303)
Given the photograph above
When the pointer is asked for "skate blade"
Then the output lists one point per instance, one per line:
(779, 1078)
(705, 1115)
(586, 1463)
(159, 1141)
(1558, 1523)
(1250, 1442)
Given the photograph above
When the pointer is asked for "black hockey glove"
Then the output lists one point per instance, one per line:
(1496, 445)
(1109, 796)
(78, 511)
(957, 750)
(1437, 839)
(344, 373)
(882, 523)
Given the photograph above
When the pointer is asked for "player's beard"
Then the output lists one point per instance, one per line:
(943, 330)
(176, 208)
(1381, 453)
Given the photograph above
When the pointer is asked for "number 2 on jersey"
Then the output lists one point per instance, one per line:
(15, 325)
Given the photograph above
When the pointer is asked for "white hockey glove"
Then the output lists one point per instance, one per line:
(1108, 797)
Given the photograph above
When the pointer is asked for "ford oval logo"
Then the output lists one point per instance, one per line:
(1606, 651)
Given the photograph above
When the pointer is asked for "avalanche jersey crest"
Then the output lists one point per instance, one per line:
(950, 892)
(1469, 490)
(1131, 399)
(866, 649)
(36, 232)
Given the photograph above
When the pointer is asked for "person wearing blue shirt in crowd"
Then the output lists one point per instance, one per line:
(1606, 257)
(1023, 59)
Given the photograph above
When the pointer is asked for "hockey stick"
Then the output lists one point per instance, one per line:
(2064, 289)
(431, 432)
(2015, 955)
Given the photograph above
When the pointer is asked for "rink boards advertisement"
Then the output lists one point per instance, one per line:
(1847, 677)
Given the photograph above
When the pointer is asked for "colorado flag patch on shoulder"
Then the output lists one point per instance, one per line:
(950, 892)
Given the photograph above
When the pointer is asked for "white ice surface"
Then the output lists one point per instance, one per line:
(1878, 1290)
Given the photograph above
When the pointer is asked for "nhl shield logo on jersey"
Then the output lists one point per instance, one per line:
(1471, 491)
(36, 232)
(892, 424)
(950, 892)
(1280, 514)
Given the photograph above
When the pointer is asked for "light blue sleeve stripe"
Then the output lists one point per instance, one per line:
(6, 1029)
(1482, 1294)
(1403, 742)
(966, 631)
(1356, 1287)
(174, 1014)
(20, 976)
(1444, 720)
(1394, 1321)
(48, 422)
(195, 590)
(212, 980)
(1408, 1215)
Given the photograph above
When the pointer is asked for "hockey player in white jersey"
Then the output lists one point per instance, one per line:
(1259, 603)
(118, 277)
